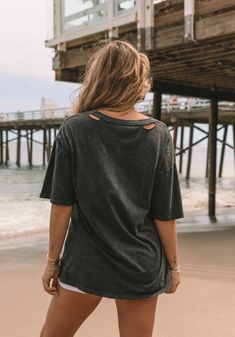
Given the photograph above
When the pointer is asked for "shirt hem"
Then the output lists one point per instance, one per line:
(112, 295)
(56, 201)
(170, 217)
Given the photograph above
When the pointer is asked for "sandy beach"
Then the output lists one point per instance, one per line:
(203, 305)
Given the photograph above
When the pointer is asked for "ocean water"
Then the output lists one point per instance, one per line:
(22, 211)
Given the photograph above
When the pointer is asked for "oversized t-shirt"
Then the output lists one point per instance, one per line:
(119, 176)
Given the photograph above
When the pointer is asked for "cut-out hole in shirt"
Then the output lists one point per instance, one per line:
(149, 126)
(94, 117)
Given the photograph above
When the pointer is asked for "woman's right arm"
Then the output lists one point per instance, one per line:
(167, 233)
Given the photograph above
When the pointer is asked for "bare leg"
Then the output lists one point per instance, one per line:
(67, 312)
(136, 317)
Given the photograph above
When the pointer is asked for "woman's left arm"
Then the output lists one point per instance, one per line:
(59, 220)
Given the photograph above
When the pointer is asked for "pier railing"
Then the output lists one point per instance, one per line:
(144, 107)
(35, 115)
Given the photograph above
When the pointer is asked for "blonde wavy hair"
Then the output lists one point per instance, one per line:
(117, 76)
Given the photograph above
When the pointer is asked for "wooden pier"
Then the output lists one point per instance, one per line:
(25, 125)
(190, 43)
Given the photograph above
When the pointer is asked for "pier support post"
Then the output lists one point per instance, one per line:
(31, 148)
(207, 154)
(28, 147)
(44, 147)
(18, 150)
(1, 149)
(49, 143)
(175, 133)
(7, 148)
(181, 148)
(157, 105)
(213, 121)
(223, 150)
(190, 151)
(234, 144)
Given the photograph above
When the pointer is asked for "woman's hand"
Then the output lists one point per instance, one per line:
(175, 281)
(50, 279)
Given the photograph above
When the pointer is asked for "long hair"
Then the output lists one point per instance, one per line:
(117, 76)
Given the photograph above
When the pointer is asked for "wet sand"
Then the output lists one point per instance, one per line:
(204, 304)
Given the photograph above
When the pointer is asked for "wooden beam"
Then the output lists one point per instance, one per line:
(76, 57)
(216, 25)
(197, 57)
(170, 25)
(204, 8)
(169, 19)
(69, 75)
(172, 36)
(179, 89)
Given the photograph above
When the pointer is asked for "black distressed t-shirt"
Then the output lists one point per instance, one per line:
(119, 177)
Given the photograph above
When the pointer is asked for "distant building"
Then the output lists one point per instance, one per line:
(47, 103)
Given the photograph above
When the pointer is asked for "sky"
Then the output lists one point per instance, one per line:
(26, 72)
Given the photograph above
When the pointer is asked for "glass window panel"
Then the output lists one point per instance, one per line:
(77, 6)
(83, 12)
(122, 6)
(157, 1)
(126, 4)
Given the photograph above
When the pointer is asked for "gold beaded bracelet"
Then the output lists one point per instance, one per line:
(175, 270)
(52, 261)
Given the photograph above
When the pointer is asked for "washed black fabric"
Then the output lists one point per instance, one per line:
(119, 177)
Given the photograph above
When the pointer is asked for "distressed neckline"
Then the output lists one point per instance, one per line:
(115, 120)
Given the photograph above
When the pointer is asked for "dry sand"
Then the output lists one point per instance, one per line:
(203, 306)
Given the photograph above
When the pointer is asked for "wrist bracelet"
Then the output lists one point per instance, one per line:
(52, 260)
(177, 269)
(52, 267)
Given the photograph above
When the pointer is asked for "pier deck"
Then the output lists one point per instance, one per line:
(41, 119)
(191, 43)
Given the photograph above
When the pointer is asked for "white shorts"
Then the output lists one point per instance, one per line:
(69, 287)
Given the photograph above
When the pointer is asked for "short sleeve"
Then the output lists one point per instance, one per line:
(166, 201)
(58, 183)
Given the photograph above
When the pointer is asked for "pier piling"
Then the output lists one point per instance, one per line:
(190, 151)
(157, 105)
(181, 149)
(234, 144)
(175, 133)
(44, 147)
(223, 151)
(213, 121)
(18, 149)
(6, 148)
(1, 149)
